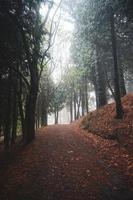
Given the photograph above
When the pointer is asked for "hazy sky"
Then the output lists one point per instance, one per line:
(61, 48)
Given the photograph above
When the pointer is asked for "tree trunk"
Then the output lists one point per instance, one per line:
(71, 107)
(38, 118)
(78, 109)
(44, 120)
(15, 116)
(20, 105)
(96, 93)
(30, 116)
(119, 109)
(30, 107)
(83, 102)
(100, 81)
(86, 95)
(38, 110)
(7, 130)
(15, 108)
(75, 113)
(56, 117)
(121, 81)
(95, 85)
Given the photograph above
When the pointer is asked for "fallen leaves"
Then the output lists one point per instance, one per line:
(102, 122)
(65, 162)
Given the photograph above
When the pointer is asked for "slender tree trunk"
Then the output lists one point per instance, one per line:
(83, 102)
(38, 112)
(100, 81)
(38, 118)
(7, 130)
(121, 72)
(86, 95)
(71, 107)
(0, 130)
(15, 116)
(44, 120)
(78, 111)
(119, 109)
(20, 105)
(95, 85)
(36, 123)
(56, 116)
(75, 112)
(21, 112)
(121, 81)
(15, 108)
(78, 106)
(96, 93)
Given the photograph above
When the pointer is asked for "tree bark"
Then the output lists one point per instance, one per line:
(7, 130)
(15, 116)
(38, 112)
(86, 95)
(44, 118)
(122, 81)
(20, 105)
(56, 116)
(83, 101)
(119, 109)
(71, 107)
(30, 115)
(30, 107)
(78, 109)
(93, 79)
(74, 100)
(100, 81)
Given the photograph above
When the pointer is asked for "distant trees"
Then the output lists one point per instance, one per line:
(58, 100)
(45, 97)
(76, 83)
(100, 44)
(87, 51)
(51, 99)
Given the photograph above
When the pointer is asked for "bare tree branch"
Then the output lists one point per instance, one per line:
(50, 33)
(22, 76)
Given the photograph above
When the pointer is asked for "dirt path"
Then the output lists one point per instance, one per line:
(63, 164)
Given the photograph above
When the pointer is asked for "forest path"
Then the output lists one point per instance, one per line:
(63, 164)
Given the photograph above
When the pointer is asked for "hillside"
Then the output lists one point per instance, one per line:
(102, 122)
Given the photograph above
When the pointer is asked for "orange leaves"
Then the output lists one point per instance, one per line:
(102, 122)
(65, 162)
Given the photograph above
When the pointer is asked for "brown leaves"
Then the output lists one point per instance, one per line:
(65, 162)
(102, 122)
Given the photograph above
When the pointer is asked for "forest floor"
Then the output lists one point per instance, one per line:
(67, 163)
(103, 122)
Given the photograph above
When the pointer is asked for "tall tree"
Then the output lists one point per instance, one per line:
(119, 109)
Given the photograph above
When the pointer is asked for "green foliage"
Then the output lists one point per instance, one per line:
(92, 30)
(58, 98)
(25, 42)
